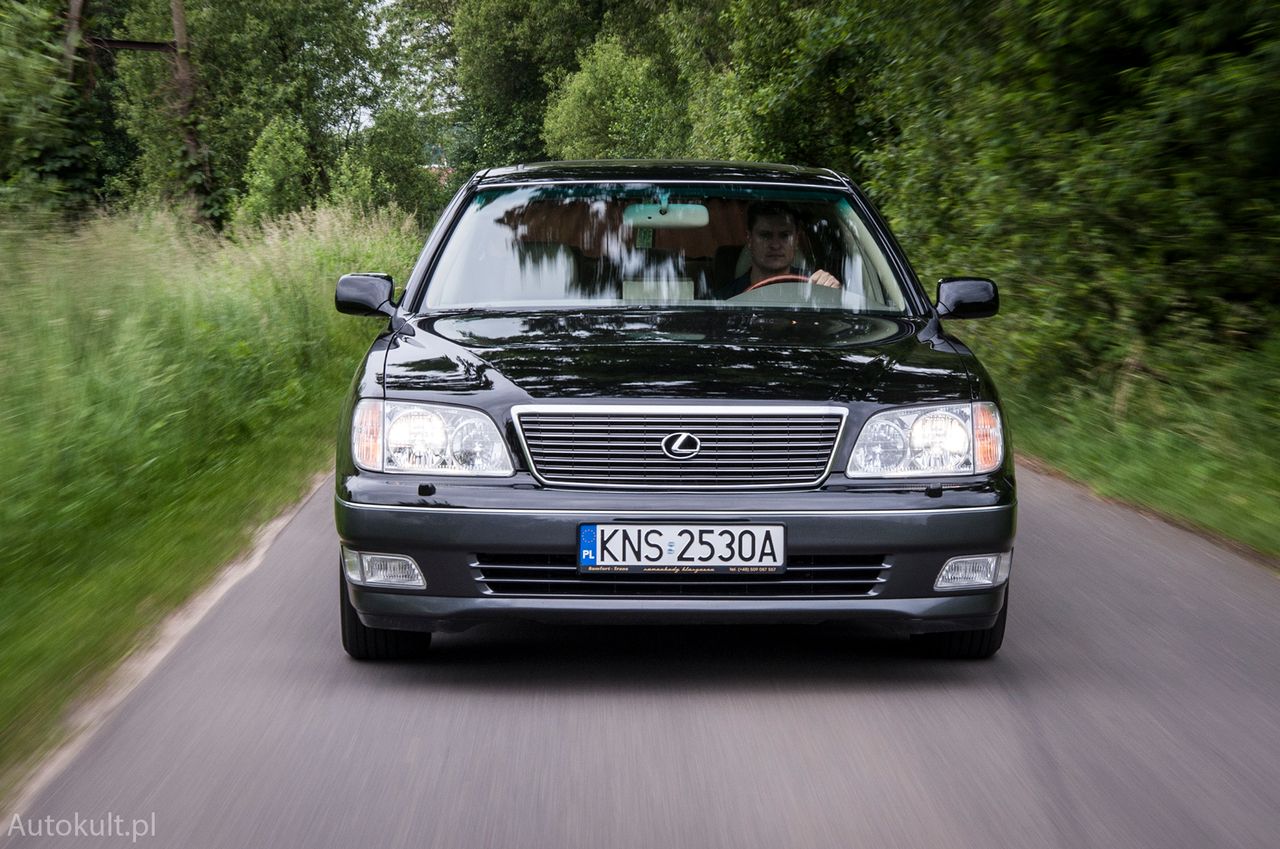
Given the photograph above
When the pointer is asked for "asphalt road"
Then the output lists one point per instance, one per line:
(1136, 703)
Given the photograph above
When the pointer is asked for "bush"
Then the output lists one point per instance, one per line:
(278, 176)
(36, 143)
(615, 106)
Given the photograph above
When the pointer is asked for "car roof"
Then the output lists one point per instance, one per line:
(674, 170)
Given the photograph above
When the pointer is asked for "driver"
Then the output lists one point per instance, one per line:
(771, 244)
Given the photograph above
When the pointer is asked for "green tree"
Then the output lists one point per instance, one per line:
(253, 61)
(1112, 164)
(351, 183)
(279, 173)
(616, 106)
(511, 53)
(403, 150)
(417, 56)
(37, 141)
(781, 81)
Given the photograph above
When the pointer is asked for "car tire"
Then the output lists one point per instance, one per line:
(979, 644)
(365, 643)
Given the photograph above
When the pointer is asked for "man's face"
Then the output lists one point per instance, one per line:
(773, 243)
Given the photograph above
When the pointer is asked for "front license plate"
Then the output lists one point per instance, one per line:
(682, 549)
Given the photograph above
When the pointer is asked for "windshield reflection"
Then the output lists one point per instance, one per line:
(607, 245)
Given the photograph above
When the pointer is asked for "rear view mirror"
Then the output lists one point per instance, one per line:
(967, 297)
(668, 216)
(364, 293)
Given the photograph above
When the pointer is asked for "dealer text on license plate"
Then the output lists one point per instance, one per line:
(683, 549)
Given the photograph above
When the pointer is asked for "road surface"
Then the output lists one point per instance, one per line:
(1136, 703)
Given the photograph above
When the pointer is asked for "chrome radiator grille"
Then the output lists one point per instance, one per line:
(621, 447)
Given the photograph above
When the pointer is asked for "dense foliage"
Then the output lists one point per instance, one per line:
(94, 125)
(1111, 163)
(35, 108)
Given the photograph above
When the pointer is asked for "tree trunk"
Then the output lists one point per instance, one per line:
(75, 13)
(185, 88)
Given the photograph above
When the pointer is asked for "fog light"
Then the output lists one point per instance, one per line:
(386, 569)
(981, 570)
(395, 571)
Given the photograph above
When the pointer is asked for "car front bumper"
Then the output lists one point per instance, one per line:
(446, 535)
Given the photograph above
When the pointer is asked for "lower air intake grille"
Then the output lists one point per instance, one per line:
(807, 576)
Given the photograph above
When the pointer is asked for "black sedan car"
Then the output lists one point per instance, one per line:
(660, 392)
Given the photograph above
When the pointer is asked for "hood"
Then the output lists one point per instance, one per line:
(780, 355)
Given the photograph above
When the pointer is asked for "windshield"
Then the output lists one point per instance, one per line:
(599, 245)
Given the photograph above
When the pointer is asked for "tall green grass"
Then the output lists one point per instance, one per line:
(1203, 449)
(163, 391)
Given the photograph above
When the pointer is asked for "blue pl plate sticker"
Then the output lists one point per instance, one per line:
(586, 545)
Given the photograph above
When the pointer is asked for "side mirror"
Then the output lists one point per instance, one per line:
(365, 293)
(967, 297)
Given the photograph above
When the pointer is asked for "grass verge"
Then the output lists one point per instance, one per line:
(1203, 453)
(170, 392)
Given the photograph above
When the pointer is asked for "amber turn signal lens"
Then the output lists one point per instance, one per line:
(988, 441)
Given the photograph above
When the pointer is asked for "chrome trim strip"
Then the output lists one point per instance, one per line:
(778, 410)
(623, 512)
(680, 409)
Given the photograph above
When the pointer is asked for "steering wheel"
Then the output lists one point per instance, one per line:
(777, 278)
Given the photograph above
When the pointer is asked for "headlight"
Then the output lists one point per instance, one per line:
(399, 436)
(949, 439)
